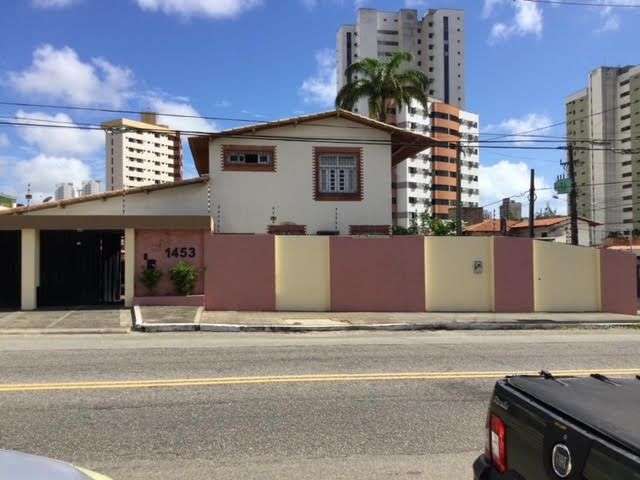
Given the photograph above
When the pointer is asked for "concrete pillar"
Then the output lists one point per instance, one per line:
(129, 265)
(30, 273)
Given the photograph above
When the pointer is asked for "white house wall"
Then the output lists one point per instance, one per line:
(183, 200)
(244, 202)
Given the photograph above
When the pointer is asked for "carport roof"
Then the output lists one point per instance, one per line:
(404, 143)
(104, 195)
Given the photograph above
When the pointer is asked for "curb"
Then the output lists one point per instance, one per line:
(388, 327)
(65, 331)
(168, 327)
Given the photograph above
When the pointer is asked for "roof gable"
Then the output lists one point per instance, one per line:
(404, 143)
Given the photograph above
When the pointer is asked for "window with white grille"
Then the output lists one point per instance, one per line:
(338, 173)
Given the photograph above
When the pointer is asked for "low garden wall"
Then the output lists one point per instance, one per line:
(414, 274)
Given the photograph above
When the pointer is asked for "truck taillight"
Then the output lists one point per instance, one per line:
(498, 443)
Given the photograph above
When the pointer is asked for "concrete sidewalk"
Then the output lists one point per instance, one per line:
(65, 321)
(332, 321)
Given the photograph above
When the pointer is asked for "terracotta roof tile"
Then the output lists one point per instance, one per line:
(490, 225)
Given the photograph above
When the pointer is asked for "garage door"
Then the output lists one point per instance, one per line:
(10, 272)
(80, 268)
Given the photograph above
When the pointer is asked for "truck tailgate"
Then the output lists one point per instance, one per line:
(594, 423)
(610, 407)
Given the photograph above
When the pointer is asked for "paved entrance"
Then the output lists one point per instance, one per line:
(73, 320)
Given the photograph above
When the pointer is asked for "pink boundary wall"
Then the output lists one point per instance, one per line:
(240, 272)
(618, 276)
(513, 274)
(377, 274)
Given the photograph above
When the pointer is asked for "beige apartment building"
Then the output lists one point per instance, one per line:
(435, 40)
(603, 123)
(141, 153)
(426, 182)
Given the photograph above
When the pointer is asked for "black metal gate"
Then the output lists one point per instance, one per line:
(80, 268)
(10, 253)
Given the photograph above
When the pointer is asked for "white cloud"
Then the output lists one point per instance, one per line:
(58, 141)
(311, 4)
(415, 3)
(4, 140)
(504, 179)
(321, 87)
(60, 74)
(52, 3)
(527, 20)
(611, 24)
(43, 172)
(180, 123)
(203, 8)
(489, 5)
(527, 123)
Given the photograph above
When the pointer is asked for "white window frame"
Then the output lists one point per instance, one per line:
(338, 173)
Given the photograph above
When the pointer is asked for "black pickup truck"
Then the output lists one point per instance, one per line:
(545, 427)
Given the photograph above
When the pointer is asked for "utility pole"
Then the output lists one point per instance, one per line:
(532, 201)
(504, 216)
(458, 191)
(573, 196)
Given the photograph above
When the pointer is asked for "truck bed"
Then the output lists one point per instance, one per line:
(610, 408)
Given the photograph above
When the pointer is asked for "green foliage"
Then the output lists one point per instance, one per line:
(150, 278)
(440, 227)
(398, 230)
(427, 226)
(184, 277)
(383, 83)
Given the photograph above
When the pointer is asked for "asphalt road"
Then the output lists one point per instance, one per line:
(87, 399)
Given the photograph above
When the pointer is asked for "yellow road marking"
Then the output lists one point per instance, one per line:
(329, 377)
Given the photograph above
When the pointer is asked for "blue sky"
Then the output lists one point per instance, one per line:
(266, 59)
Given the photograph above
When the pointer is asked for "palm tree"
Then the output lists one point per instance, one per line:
(383, 83)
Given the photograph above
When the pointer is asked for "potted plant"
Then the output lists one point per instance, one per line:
(184, 277)
(150, 278)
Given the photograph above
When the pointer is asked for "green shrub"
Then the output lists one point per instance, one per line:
(184, 277)
(150, 278)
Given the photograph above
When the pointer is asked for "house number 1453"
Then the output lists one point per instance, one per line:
(181, 252)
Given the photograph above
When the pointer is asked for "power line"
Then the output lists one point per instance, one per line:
(428, 144)
(573, 3)
(558, 123)
(129, 112)
(607, 183)
(256, 121)
(515, 195)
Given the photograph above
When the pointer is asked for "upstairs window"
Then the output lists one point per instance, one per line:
(338, 174)
(248, 158)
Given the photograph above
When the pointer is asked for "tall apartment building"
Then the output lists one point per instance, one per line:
(607, 181)
(90, 187)
(64, 191)
(511, 210)
(436, 42)
(427, 182)
(141, 153)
